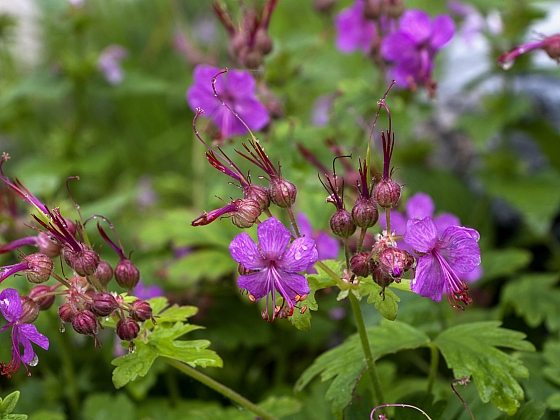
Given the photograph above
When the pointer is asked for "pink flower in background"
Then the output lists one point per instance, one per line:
(353, 30)
(237, 90)
(328, 247)
(109, 63)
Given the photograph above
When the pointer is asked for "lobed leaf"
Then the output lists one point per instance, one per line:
(386, 302)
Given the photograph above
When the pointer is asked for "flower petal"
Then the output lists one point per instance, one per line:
(299, 256)
(445, 220)
(417, 25)
(291, 284)
(353, 31)
(459, 247)
(420, 205)
(444, 29)
(244, 251)
(258, 284)
(252, 112)
(29, 331)
(421, 234)
(273, 239)
(10, 305)
(240, 84)
(429, 279)
(328, 247)
(398, 47)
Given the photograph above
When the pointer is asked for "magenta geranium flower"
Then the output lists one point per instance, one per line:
(22, 334)
(442, 258)
(237, 90)
(413, 47)
(328, 247)
(353, 30)
(273, 265)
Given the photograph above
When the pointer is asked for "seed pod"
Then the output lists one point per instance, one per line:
(395, 262)
(66, 313)
(126, 274)
(127, 329)
(30, 310)
(103, 272)
(103, 304)
(282, 193)
(263, 41)
(40, 268)
(342, 224)
(47, 245)
(141, 310)
(387, 193)
(37, 294)
(259, 194)
(365, 213)
(84, 262)
(85, 322)
(247, 213)
(361, 265)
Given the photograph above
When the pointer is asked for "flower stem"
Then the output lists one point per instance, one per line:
(339, 282)
(434, 362)
(218, 387)
(371, 368)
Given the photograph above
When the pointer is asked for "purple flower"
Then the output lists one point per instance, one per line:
(109, 63)
(144, 292)
(353, 30)
(22, 334)
(414, 46)
(237, 90)
(273, 265)
(328, 248)
(442, 258)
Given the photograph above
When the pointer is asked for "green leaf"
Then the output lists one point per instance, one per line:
(346, 363)
(8, 404)
(534, 297)
(552, 356)
(131, 365)
(386, 302)
(108, 407)
(471, 350)
(210, 264)
(504, 262)
(532, 410)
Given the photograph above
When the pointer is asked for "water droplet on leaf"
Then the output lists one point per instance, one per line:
(62, 328)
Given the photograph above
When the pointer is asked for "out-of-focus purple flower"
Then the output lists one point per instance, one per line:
(413, 47)
(328, 248)
(473, 21)
(77, 3)
(442, 258)
(321, 110)
(143, 292)
(549, 44)
(109, 63)
(237, 90)
(353, 30)
(273, 265)
(22, 334)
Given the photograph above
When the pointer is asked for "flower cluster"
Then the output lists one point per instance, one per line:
(86, 295)
(406, 42)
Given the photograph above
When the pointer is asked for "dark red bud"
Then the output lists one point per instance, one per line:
(361, 265)
(237, 44)
(37, 294)
(70, 226)
(84, 262)
(387, 193)
(394, 8)
(48, 246)
(259, 194)
(104, 272)
(40, 268)
(282, 193)
(85, 322)
(342, 224)
(324, 6)
(552, 46)
(382, 277)
(372, 9)
(66, 313)
(141, 310)
(253, 59)
(263, 41)
(365, 213)
(103, 304)
(30, 310)
(395, 262)
(247, 213)
(127, 329)
(126, 274)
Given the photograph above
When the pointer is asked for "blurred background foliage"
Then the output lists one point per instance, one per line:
(487, 150)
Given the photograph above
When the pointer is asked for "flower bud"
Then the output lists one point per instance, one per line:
(365, 213)
(103, 304)
(395, 262)
(40, 268)
(37, 294)
(552, 46)
(84, 262)
(70, 226)
(361, 265)
(323, 6)
(48, 246)
(342, 224)
(85, 322)
(247, 213)
(263, 41)
(282, 193)
(66, 313)
(141, 310)
(30, 310)
(372, 9)
(394, 8)
(387, 193)
(127, 329)
(259, 194)
(126, 274)
(381, 277)
(103, 272)
(253, 59)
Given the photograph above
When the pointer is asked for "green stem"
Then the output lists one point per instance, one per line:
(372, 370)
(339, 282)
(434, 362)
(218, 387)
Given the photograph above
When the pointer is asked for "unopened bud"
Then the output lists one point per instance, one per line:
(372, 9)
(39, 268)
(47, 245)
(85, 322)
(263, 41)
(253, 59)
(361, 265)
(342, 224)
(247, 213)
(394, 8)
(30, 310)
(382, 277)
(66, 313)
(259, 194)
(552, 46)
(126, 274)
(365, 213)
(104, 272)
(141, 310)
(38, 293)
(323, 6)
(387, 193)
(127, 329)
(395, 262)
(84, 262)
(282, 193)
(103, 304)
